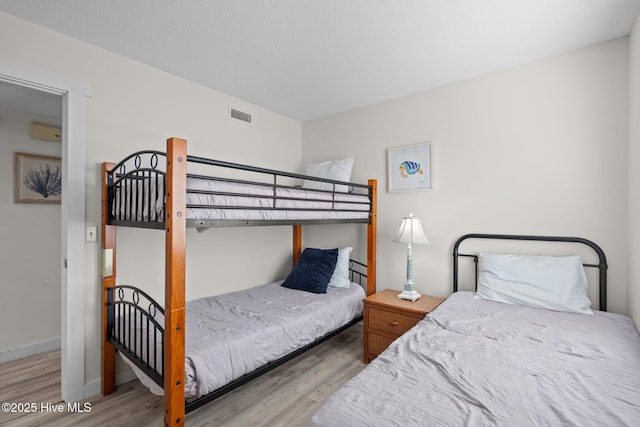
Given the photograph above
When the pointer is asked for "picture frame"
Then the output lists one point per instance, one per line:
(410, 168)
(37, 178)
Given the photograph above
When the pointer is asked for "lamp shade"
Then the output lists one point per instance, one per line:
(411, 231)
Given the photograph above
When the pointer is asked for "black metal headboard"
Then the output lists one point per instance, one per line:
(601, 266)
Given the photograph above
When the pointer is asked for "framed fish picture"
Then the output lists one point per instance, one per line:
(410, 168)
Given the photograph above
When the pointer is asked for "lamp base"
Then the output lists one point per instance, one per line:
(409, 295)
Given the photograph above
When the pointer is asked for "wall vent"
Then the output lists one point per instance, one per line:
(236, 114)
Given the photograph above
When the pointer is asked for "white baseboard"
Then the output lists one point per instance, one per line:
(29, 350)
(90, 389)
(93, 388)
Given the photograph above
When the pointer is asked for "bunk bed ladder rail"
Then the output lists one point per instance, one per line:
(136, 331)
(140, 183)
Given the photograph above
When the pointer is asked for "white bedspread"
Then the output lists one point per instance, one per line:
(233, 334)
(249, 201)
(323, 204)
(479, 363)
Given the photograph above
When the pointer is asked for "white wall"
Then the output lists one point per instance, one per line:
(633, 299)
(536, 149)
(29, 246)
(136, 107)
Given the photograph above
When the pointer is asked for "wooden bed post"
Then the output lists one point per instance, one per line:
(174, 315)
(108, 356)
(297, 243)
(371, 239)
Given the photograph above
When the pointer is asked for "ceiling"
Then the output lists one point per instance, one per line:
(308, 59)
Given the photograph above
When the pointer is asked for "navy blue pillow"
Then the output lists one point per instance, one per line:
(313, 270)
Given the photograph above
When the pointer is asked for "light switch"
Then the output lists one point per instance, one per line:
(92, 233)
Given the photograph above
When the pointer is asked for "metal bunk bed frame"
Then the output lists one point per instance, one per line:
(174, 222)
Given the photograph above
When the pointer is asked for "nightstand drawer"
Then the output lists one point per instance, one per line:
(377, 344)
(386, 318)
(390, 322)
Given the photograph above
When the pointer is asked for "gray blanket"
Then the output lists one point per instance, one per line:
(233, 334)
(479, 363)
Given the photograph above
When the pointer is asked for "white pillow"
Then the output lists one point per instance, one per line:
(340, 276)
(552, 282)
(337, 170)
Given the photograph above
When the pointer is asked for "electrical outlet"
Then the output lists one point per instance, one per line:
(92, 233)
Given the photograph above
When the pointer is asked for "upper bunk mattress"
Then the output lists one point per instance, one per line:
(230, 335)
(216, 200)
(482, 363)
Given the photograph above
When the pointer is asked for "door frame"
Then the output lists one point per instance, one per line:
(74, 144)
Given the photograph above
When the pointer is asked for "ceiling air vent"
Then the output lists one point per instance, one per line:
(239, 115)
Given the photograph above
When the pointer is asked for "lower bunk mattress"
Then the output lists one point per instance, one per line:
(474, 362)
(230, 335)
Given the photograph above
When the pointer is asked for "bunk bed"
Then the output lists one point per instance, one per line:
(172, 191)
(482, 359)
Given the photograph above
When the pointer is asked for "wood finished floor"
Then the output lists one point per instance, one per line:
(286, 396)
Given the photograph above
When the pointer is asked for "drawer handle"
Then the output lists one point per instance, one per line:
(393, 323)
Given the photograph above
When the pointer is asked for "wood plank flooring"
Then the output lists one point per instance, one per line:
(286, 396)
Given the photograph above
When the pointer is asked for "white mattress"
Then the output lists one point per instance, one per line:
(230, 335)
(324, 206)
(479, 363)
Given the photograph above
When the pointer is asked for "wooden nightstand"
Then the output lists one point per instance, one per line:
(386, 318)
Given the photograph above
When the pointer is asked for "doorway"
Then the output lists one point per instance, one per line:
(30, 230)
(74, 138)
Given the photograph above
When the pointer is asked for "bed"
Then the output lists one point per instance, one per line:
(214, 201)
(221, 193)
(474, 361)
(230, 336)
(172, 191)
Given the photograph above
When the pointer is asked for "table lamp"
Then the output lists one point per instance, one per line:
(410, 232)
